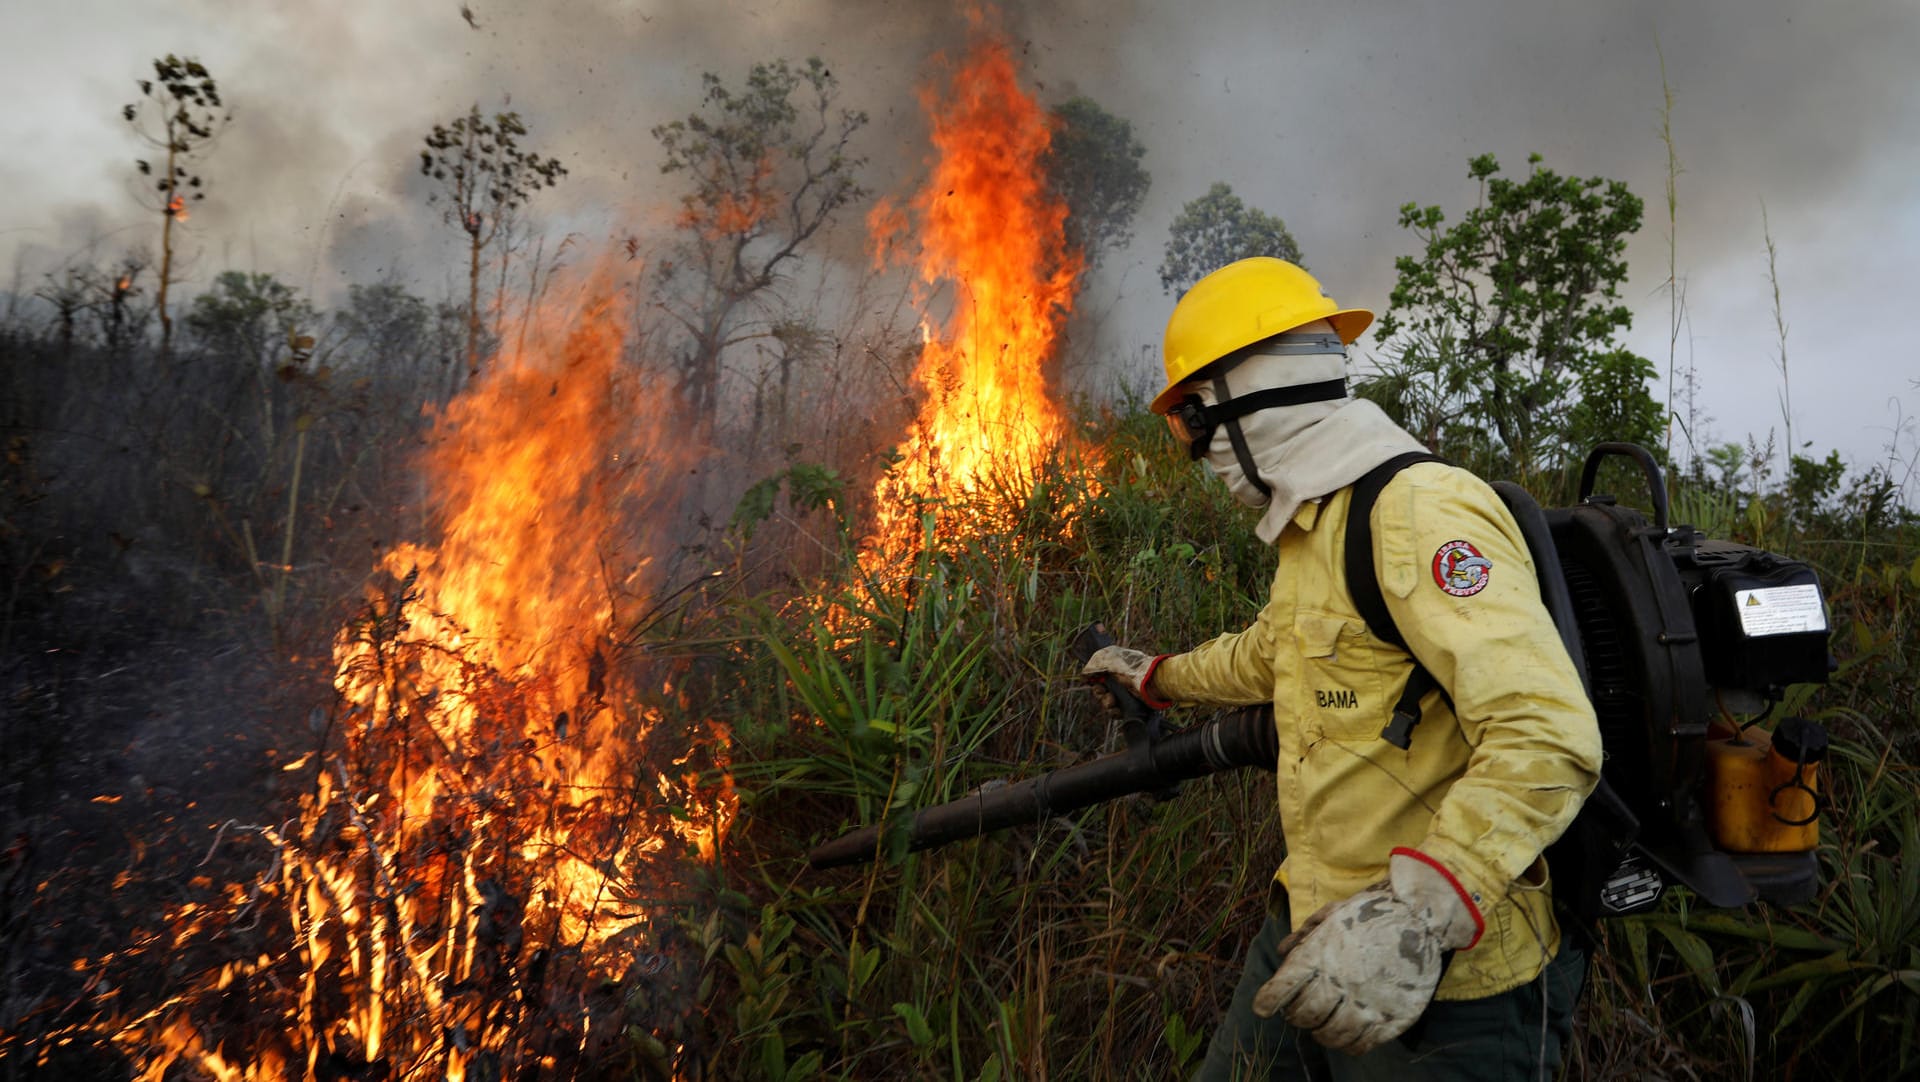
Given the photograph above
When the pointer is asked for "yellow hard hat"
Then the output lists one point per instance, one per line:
(1240, 304)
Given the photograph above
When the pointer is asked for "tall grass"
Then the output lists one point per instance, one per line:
(1676, 294)
(1036, 953)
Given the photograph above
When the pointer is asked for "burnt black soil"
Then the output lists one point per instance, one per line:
(137, 748)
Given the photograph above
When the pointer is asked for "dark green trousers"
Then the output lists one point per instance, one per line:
(1516, 1035)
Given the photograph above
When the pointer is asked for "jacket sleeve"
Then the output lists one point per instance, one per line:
(1235, 669)
(1459, 582)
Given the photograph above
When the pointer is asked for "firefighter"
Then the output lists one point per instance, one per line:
(1429, 947)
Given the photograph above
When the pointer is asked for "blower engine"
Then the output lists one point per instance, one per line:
(1685, 643)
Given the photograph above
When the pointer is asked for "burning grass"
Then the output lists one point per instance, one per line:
(501, 817)
(984, 225)
(483, 871)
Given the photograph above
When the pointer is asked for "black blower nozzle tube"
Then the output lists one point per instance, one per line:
(1243, 738)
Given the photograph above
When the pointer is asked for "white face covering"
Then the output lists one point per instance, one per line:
(1300, 452)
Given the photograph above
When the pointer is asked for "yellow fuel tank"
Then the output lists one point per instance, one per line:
(1763, 788)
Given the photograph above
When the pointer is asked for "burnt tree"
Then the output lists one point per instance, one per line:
(765, 172)
(180, 115)
(485, 177)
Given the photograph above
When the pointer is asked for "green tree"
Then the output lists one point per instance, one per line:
(180, 115)
(251, 317)
(396, 333)
(765, 173)
(258, 331)
(260, 328)
(1507, 318)
(1093, 166)
(1215, 230)
(485, 177)
(1430, 396)
(383, 319)
(1613, 403)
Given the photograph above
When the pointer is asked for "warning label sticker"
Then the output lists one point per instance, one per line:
(1780, 610)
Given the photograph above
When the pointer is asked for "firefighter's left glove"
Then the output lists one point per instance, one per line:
(1358, 973)
(1131, 669)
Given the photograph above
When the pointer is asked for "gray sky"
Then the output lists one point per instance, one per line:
(1328, 113)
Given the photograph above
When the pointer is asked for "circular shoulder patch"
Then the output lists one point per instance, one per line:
(1460, 570)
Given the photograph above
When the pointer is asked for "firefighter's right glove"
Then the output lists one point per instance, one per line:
(1358, 973)
(1131, 669)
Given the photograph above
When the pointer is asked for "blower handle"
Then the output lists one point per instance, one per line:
(1656, 484)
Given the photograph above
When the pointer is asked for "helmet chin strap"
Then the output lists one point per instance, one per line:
(1239, 440)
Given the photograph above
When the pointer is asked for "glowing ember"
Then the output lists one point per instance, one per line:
(984, 222)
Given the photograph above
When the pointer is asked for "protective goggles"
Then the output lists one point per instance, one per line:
(1193, 421)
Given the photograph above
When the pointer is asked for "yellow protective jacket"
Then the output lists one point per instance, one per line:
(1489, 781)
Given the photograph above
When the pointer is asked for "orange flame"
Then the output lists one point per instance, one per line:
(489, 824)
(534, 466)
(985, 222)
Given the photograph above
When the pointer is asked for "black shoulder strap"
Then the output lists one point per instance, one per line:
(1363, 581)
(1363, 585)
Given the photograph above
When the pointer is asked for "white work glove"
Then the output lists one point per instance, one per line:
(1131, 668)
(1358, 973)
